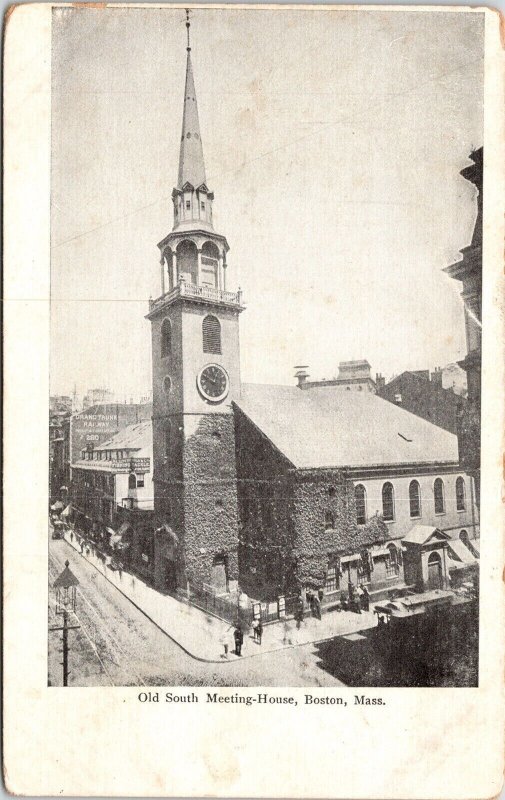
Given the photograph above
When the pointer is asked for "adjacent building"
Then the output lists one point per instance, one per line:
(468, 270)
(352, 375)
(423, 394)
(113, 497)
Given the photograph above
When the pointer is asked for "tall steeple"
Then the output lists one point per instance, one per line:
(191, 163)
(193, 251)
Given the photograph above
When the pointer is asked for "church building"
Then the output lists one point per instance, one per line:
(272, 489)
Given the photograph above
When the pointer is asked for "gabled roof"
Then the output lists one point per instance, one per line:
(422, 534)
(138, 437)
(332, 427)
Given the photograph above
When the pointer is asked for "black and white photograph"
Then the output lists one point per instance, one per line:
(265, 348)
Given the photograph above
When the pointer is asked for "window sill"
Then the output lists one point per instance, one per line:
(419, 516)
(460, 510)
(440, 513)
(389, 521)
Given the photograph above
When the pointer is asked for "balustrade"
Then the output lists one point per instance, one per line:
(184, 289)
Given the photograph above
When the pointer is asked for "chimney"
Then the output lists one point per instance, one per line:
(301, 375)
(380, 380)
(436, 376)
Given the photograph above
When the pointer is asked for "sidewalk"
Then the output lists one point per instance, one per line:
(202, 636)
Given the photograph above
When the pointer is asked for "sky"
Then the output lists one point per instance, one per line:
(333, 142)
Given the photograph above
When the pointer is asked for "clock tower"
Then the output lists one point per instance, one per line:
(196, 375)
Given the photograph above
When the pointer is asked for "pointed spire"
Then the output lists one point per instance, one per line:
(191, 164)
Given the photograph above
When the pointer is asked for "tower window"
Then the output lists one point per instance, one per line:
(388, 502)
(460, 494)
(414, 499)
(167, 384)
(360, 495)
(211, 330)
(166, 338)
(188, 204)
(438, 492)
(203, 205)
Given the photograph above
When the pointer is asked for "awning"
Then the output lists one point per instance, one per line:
(348, 559)
(382, 552)
(67, 511)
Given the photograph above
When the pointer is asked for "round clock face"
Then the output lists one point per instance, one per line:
(213, 383)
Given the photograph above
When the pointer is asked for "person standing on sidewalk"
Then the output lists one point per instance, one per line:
(259, 631)
(239, 638)
(365, 599)
(359, 598)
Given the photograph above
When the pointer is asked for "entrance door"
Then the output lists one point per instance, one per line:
(170, 575)
(219, 575)
(434, 571)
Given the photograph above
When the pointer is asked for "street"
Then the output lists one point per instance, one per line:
(117, 645)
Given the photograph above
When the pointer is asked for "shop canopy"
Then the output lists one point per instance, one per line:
(348, 559)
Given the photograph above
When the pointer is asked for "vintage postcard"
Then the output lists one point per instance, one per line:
(254, 374)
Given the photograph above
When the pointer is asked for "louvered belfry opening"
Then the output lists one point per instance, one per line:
(211, 335)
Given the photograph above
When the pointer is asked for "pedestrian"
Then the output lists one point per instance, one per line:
(255, 626)
(259, 631)
(299, 612)
(359, 596)
(317, 607)
(225, 641)
(366, 599)
(239, 638)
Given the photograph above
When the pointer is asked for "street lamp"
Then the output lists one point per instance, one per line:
(65, 585)
(65, 590)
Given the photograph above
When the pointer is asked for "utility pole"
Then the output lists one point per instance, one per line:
(65, 629)
(65, 585)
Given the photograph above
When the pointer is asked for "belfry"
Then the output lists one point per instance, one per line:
(193, 249)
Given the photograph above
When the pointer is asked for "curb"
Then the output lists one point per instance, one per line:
(237, 659)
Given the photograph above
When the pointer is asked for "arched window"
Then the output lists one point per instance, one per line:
(460, 494)
(187, 261)
(210, 256)
(132, 481)
(438, 492)
(167, 384)
(463, 535)
(360, 495)
(211, 330)
(415, 499)
(388, 502)
(166, 338)
(329, 520)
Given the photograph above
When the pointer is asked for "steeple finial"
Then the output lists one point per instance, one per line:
(188, 25)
